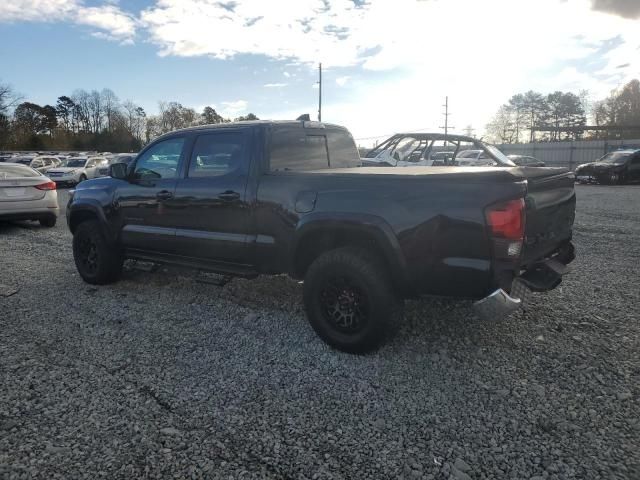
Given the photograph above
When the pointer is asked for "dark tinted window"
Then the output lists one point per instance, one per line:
(342, 149)
(216, 154)
(294, 149)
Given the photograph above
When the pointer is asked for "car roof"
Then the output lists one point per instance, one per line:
(627, 150)
(249, 123)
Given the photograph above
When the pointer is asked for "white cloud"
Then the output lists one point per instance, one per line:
(36, 10)
(109, 18)
(408, 54)
(112, 23)
(275, 85)
(234, 108)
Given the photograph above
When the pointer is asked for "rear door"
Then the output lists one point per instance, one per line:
(143, 201)
(212, 211)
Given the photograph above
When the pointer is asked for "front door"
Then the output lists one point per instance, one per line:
(212, 213)
(143, 203)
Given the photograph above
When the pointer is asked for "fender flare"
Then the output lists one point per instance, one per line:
(371, 225)
(94, 208)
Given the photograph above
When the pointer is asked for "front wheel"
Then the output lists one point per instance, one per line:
(97, 260)
(82, 178)
(615, 179)
(350, 301)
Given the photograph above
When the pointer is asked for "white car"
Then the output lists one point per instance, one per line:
(26, 194)
(76, 170)
(44, 163)
(474, 158)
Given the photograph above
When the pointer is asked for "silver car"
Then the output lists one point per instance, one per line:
(26, 194)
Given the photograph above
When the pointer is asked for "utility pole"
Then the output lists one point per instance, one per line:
(469, 131)
(320, 92)
(446, 119)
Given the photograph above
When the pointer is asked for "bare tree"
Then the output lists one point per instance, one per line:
(110, 105)
(8, 98)
(503, 127)
(96, 111)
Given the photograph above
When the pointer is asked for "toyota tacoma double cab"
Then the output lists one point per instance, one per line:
(291, 197)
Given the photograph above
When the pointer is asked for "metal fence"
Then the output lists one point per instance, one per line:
(567, 154)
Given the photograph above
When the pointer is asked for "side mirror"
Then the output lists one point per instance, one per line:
(118, 170)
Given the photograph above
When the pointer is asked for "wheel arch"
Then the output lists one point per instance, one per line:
(320, 233)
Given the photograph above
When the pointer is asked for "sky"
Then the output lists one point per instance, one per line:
(387, 64)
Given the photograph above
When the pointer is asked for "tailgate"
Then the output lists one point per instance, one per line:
(550, 211)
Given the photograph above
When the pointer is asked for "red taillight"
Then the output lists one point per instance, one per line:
(46, 186)
(506, 220)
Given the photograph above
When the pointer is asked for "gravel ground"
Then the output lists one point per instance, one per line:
(163, 376)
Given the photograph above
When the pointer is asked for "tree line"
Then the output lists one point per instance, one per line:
(521, 118)
(92, 120)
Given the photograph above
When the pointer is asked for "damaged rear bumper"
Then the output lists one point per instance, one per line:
(542, 277)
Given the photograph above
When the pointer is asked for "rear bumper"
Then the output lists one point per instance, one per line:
(497, 305)
(541, 277)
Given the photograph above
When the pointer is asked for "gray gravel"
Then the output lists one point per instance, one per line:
(162, 376)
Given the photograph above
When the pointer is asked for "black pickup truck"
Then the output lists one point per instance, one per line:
(251, 198)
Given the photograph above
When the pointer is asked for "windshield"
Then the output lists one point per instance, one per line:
(76, 163)
(615, 158)
(498, 155)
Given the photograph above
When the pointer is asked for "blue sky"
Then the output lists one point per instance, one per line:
(388, 64)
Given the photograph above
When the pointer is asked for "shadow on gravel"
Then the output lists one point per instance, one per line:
(12, 227)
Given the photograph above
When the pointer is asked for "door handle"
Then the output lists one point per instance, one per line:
(164, 195)
(229, 196)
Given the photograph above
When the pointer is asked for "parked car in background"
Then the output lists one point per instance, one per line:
(526, 161)
(431, 149)
(44, 163)
(26, 194)
(127, 158)
(474, 158)
(76, 170)
(23, 159)
(253, 198)
(615, 168)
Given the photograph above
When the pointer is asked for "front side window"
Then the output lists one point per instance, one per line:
(217, 154)
(615, 158)
(292, 149)
(160, 161)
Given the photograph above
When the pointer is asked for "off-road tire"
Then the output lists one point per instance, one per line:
(371, 282)
(98, 261)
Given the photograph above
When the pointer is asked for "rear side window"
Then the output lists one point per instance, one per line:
(217, 154)
(293, 149)
(343, 152)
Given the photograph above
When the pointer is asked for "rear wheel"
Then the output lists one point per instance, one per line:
(97, 260)
(48, 221)
(350, 301)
